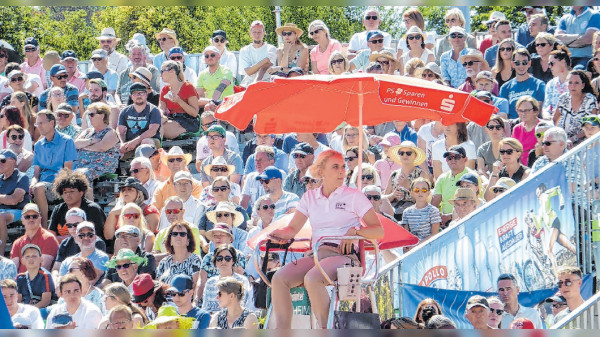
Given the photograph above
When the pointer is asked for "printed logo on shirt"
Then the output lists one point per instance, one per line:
(340, 205)
(62, 229)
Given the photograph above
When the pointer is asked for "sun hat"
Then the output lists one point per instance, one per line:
(108, 33)
(126, 254)
(167, 314)
(383, 53)
(176, 151)
(143, 287)
(505, 183)
(133, 182)
(228, 207)
(290, 27)
(219, 161)
(473, 53)
(221, 228)
(463, 194)
(419, 154)
(143, 74)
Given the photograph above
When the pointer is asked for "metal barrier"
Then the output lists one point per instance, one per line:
(587, 316)
(584, 162)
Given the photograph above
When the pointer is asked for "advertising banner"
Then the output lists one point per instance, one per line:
(529, 233)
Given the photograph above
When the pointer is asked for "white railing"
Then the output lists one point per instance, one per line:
(586, 316)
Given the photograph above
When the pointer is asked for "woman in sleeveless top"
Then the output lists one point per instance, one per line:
(293, 53)
(232, 314)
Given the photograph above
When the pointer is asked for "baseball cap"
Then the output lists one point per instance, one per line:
(128, 229)
(57, 69)
(483, 93)
(61, 320)
(219, 32)
(456, 149)
(145, 150)
(100, 53)
(68, 54)
(477, 301)
(86, 224)
(270, 172)
(6, 153)
(391, 139)
(211, 49)
(505, 183)
(373, 33)
(457, 29)
(182, 175)
(137, 87)
(181, 283)
(31, 245)
(216, 128)
(296, 70)
(557, 299)
(484, 75)
(76, 212)
(14, 73)
(30, 207)
(175, 50)
(522, 323)
(494, 17)
(468, 177)
(303, 148)
(31, 41)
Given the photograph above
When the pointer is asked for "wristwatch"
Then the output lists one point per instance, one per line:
(216, 102)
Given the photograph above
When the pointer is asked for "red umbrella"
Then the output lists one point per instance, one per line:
(395, 236)
(319, 103)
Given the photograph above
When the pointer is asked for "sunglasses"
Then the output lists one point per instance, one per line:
(181, 234)
(456, 36)
(286, 33)
(72, 225)
(558, 305)
(217, 40)
(163, 39)
(373, 197)
(422, 190)
(94, 59)
(3, 56)
(350, 158)
(367, 177)
(207, 56)
(371, 17)
(176, 58)
(15, 137)
(299, 155)
(33, 216)
(407, 153)
(428, 75)
(220, 188)
(72, 269)
(549, 142)
(543, 44)
(61, 77)
(505, 49)
(591, 119)
(414, 37)
(338, 61)
(498, 312)
(566, 283)
(266, 207)
(219, 169)
(124, 236)
(499, 190)
(224, 215)
(508, 151)
(454, 157)
(315, 31)
(88, 235)
(539, 135)
(384, 62)
(376, 41)
(122, 266)
(17, 79)
(136, 171)
(311, 181)
(29, 50)
(469, 63)
(522, 63)
(178, 293)
(65, 116)
(227, 258)
(1, 116)
(173, 211)
(131, 216)
(450, 20)
(497, 127)
(265, 181)
(172, 160)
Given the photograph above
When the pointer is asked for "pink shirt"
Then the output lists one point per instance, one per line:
(322, 59)
(335, 215)
(78, 82)
(526, 138)
(37, 69)
(385, 169)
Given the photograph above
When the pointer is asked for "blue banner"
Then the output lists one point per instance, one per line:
(5, 320)
(529, 232)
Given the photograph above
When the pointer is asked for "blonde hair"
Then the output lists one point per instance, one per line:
(368, 169)
(319, 24)
(459, 15)
(550, 38)
(177, 67)
(410, 68)
(512, 142)
(316, 169)
(346, 146)
(26, 112)
(143, 224)
(101, 108)
(334, 56)
(527, 98)
(50, 106)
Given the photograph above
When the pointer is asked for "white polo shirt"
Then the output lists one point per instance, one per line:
(87, 316)
(335, 215)
(524, 312)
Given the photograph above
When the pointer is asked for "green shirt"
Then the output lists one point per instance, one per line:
(209, 82)
(446, 186)
(159, 242)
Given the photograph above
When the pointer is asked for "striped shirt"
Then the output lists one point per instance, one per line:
(419, 221)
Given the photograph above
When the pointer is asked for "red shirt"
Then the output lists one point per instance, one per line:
(187, 90)
(43, 238)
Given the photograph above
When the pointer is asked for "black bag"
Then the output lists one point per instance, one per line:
(355, 320)
(259, 286)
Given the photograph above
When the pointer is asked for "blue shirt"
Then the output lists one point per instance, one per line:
(16, 180)
(572, 24)
(513, 90)
(281, 161)
(71, 94)
(51, 156)
(453, 71)
(407, 133)
(501, 104)
(98, 258)
(202, 318)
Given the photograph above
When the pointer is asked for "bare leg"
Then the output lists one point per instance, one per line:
(5, 219)
(172, 130)
(39, 196)
(565, 242)
(553, 237)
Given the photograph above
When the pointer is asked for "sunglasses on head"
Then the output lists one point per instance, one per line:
(521, 63)
(414, 37)
(376, 41)
(507, 151)
(72, 225)
(499, 189)
(367, 177)
(176, 58)
(266, 207)
(16, 79)
(173, 211)
(207, 56)
(122, 266)
(595, 120)
(299, 155)
(88, 235)
(338, 61)
(373, 197)
(33, 216)
(497, 127)
(456, 36)
(219, 169)
(315, 31)
(286, 33)
(469, 63)
(220, 188)
(223, 215)
(227, 258)
(407, 153)
(15, 137)
(172, 160)
(181, 234)
(61, 77)
(566, 283)
(218, 40)
(131, 216)
(422, 190)
(371, 17)
(265, 181)
(510, 49)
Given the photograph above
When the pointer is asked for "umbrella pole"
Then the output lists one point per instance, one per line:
(360, 135)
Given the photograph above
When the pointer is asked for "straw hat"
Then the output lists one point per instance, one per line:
(415, 30)
(221, 228)
(168, 32)
(407, 144)
(108, 33)
(219, 161)
(384, 53)
(463, 194)
(227, 207)
(474, 53)
(290, 27)
(167, 314)
(176, 151)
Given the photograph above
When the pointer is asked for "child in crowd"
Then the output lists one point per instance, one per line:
(35, 286)
(421, 219)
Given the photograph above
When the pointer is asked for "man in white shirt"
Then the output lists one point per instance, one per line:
(117, 62)
(257, 57)
(85, 314)
(194, 209)
(371, 21)
(16, 309)
(508, 291)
